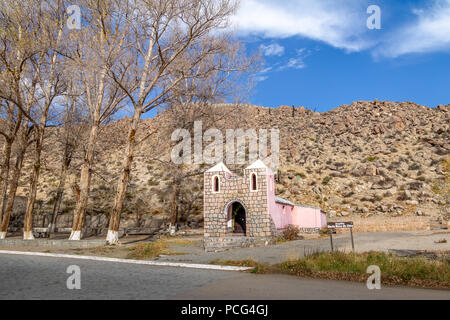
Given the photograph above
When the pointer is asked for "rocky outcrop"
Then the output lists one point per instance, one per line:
(367, 158)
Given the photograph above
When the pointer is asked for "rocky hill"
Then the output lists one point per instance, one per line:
(365, 159)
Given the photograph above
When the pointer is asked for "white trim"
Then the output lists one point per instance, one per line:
(220, 167)
(214, 184)
(143, 262)
(251, 182)
(28, 235)
(75, 235)
(112, 237)
(258, 164)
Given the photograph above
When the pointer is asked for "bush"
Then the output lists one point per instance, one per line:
(291, 233)
(326, 180)
(414, 166)
(301, 175)
(415, 185)
(152, 182)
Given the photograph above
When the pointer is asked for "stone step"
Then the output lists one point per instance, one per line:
(223, 243)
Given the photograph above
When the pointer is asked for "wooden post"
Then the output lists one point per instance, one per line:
(353, 243)
(331, 240)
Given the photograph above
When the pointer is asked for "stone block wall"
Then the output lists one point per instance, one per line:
(386, 224)
(237, 189)
(223, 243)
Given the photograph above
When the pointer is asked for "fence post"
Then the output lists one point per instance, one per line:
(331, 240)
(353, 243)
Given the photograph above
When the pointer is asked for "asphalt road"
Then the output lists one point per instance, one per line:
(30, 277)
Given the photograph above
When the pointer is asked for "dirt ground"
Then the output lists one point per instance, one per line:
(191, 250)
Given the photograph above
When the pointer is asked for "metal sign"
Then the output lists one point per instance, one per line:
(332, 226)
(340, 225)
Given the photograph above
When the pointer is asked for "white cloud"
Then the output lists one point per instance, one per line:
(429, 33)
(297, 62)
(340, 24)
(265, 70)
(261, 78)
(272, 50)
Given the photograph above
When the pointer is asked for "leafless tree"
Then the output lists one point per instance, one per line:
(29, 78)
(171, 40)
(95, 49)
(24, 138)
(13, 117)
(70, 135)
(139, 53)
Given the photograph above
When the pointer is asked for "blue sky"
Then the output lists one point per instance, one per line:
(320, 53)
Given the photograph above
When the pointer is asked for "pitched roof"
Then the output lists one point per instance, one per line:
(258, 164)
(220, 167)
(287, 202)
(284, 201)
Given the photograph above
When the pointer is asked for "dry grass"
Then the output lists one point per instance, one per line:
(102, 250)
(178, 242)
(250, 263)
(149, 250)
(395, 270)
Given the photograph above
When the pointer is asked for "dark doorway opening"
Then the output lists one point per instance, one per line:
(238, 218)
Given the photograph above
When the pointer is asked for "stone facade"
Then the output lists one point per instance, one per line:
(386, 224)
(236, 189)
(222, 243)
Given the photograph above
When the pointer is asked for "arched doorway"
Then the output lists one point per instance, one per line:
(237, 218)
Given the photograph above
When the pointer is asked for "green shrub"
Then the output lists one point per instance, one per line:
(414, 166)
(326, 180)
(152, 182)
(301, 175)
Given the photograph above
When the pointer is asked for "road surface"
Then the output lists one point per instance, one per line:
(32, 277)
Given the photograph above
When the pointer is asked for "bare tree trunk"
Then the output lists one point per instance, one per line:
(14, 183)
(49, 89)
(174, 218)
(59, 193)
(28, 222)
(85, 183)
(114, 222)
(7, 148)
(4, 174)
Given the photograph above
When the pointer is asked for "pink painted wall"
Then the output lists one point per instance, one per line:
(274, 210)
(309, 217)
(284, 215)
